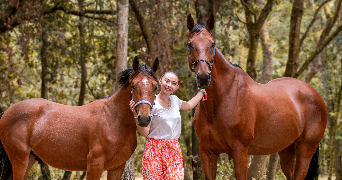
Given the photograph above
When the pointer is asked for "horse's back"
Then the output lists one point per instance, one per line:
(286, 107)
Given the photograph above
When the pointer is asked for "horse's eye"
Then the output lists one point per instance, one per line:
(155, 88)
(133, 87)
(213, 45)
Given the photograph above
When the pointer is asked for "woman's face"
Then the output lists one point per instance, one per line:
(169, 83)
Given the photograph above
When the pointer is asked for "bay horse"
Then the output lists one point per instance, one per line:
(98, 136)
(242, 117)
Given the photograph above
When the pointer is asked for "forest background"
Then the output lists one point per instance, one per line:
(71, 51)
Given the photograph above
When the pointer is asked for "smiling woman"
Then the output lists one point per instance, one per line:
(162, 157)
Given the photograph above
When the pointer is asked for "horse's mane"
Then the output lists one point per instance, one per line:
(235, 65)
(126, 75)
(197, 28)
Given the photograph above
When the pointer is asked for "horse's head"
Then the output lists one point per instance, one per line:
(201, 47)
(144, 84)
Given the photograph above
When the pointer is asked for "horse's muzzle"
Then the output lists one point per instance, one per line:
(203, 80)
(143, 121)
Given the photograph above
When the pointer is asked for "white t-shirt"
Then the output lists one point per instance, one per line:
(166, 123)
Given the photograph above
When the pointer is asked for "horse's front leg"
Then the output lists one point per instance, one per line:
(209, 162)
(95, 163)
(239, 154)
(116, 173)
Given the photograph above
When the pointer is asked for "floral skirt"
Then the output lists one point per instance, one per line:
(162, 159)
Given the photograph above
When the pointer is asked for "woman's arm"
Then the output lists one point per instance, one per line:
(144, 131)
(192, 102)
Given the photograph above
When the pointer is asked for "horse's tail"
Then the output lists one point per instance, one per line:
(5, 164)
(314, 167)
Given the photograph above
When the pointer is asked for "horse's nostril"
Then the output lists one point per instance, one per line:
(139, 119)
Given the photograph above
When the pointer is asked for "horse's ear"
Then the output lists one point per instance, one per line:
(190, 22)
(155, 65)
(211, 22)
(136, 64)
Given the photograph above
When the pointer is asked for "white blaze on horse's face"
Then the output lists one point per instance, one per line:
(145, 81)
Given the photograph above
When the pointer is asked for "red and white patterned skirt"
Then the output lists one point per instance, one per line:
(162, 159)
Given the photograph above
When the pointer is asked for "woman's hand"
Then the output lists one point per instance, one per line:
(202, 90)
(131, 105)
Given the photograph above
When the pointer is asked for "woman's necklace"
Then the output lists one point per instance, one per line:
(166, 102)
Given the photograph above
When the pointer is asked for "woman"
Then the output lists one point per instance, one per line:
(162, 158)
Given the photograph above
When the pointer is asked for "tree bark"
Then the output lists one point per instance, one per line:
(44, 94)
(83, 175)
(203, 9)
(197, 167)
(121, 64)
(257, 168)
(122, 37)
(272, 166)
(267, 51)
(43, 56)
(128, 173)
(294, 38)
(334, 124)
(148, 36)
(82, 60)
(67, 175)
(331, 21)
(254, 25)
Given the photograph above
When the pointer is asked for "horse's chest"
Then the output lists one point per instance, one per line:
(209, 133)
(119, 151)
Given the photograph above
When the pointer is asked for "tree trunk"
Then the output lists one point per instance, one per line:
(121, 64)
(254, 25)
(334, 125)
(43, 54)
(294, 38)
(44, 94)
(257, 168)
(148, 36)
(272, 166)
(83, 175)
(128, 173)
(122, 37)
(67, 175)
(82, 60)
(198, 173)
(267, 50)
(331, 21)
(203, 8)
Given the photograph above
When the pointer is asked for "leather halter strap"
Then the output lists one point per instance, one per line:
(194, 63)
(143, 102)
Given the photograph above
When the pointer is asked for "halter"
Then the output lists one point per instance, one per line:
(143, 102)
(143, 68)
(194, 63)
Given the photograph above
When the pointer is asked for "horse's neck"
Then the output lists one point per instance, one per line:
(222, 73)
(118, 103)
(226, 78)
